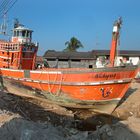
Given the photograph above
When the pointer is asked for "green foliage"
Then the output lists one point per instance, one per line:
(73, 44)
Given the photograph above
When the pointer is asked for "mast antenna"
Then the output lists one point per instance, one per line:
(3, 26)
(5, 6)
(115, 40)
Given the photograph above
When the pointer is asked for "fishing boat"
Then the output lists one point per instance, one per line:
(99, 89)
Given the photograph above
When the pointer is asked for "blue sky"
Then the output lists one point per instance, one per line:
(55, 21)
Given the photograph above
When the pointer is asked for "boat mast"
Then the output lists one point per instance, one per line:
(115, 39)
(5, 6)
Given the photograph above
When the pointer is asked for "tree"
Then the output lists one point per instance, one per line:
(73, 44)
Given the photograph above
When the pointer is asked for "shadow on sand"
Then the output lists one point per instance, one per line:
(128, 93)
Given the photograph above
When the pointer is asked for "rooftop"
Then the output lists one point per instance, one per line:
(52, 54)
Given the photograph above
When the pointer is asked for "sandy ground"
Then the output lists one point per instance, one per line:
(22, 119)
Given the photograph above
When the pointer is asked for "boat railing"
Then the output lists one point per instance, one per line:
(9, 46)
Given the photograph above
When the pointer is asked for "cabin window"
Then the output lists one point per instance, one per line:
(20, 33)
(24, 33)
(7, 53)
(28, 34)
(17, 33)
(2, 52)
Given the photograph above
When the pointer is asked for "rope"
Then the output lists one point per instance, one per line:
(48, 79)
(54, 81)
(60, 85)
(51, 86)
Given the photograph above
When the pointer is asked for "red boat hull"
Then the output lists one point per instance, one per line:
(77, 86)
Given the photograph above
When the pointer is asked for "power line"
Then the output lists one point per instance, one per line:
(6, 5)
(12, 4)
(3, 7)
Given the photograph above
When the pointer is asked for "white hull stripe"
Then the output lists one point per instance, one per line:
(41, 72)
(11, 70)
(49, 72)
(72, 83)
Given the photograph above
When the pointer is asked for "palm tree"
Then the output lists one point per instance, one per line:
(73, 44)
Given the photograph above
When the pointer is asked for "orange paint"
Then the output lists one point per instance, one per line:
(115, 40)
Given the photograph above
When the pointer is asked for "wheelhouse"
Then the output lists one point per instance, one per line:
(20, 52)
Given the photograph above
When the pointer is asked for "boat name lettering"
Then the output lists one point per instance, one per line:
(105, 75)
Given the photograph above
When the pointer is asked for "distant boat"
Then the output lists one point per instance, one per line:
(99, 89)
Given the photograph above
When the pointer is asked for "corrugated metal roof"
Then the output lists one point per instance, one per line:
(88, 55)
(69, 55)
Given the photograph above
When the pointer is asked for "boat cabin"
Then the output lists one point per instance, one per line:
(22, 35)
(20, 52)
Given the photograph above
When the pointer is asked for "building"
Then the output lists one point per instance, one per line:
(70, 59)
(60, 59)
